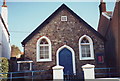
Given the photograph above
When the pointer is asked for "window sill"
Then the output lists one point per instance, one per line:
(86, 58)
(24, 61)
(43, 60)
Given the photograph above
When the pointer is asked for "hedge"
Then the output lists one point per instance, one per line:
(4, 67)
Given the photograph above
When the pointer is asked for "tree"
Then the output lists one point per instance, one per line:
(15, 51)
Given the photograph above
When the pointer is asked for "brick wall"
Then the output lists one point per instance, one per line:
(61, 33)
(111, 45)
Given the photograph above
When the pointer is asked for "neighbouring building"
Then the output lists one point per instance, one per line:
(4, 33)
(109, 25)
(64, 39)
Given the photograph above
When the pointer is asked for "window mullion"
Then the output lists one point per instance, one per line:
(44, 52)
(85, 51)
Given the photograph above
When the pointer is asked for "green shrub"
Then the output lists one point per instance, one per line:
(4, 67)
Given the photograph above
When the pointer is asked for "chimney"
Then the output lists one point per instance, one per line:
(4, 13)
(4, 4)
(102, 6)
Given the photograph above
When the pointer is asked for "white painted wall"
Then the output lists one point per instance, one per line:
(5, 47)
(0, 38)
(4, 13)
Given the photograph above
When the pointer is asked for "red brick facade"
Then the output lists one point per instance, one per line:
(109, 29)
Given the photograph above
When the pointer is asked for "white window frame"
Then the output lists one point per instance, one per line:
(20, 62)
(38, 50)
(91, 48)
(64, 17)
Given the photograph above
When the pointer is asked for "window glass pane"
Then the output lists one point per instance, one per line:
(85, 50)
(43, 41)
(44, 52)
(46, 48)
(84, 40)
(41, 48)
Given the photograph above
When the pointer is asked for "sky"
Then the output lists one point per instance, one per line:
(24, 17)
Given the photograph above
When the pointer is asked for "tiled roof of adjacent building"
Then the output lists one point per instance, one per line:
(108, 13)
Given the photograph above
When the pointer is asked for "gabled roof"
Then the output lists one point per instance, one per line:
(104, 22)
(4, 24)
(62, 7)
(108, 19)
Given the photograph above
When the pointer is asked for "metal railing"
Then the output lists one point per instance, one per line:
(78, 76)
(39, 74)
(107, 72)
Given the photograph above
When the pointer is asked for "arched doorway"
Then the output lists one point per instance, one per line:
(66, 58)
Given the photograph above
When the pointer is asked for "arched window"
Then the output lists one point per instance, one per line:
(86, 49)
(43, 49)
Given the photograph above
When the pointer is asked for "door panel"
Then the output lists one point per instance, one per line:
(65, 60)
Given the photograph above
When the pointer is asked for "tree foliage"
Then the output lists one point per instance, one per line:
(15, 51)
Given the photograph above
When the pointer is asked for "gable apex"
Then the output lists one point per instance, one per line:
(62, 7)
